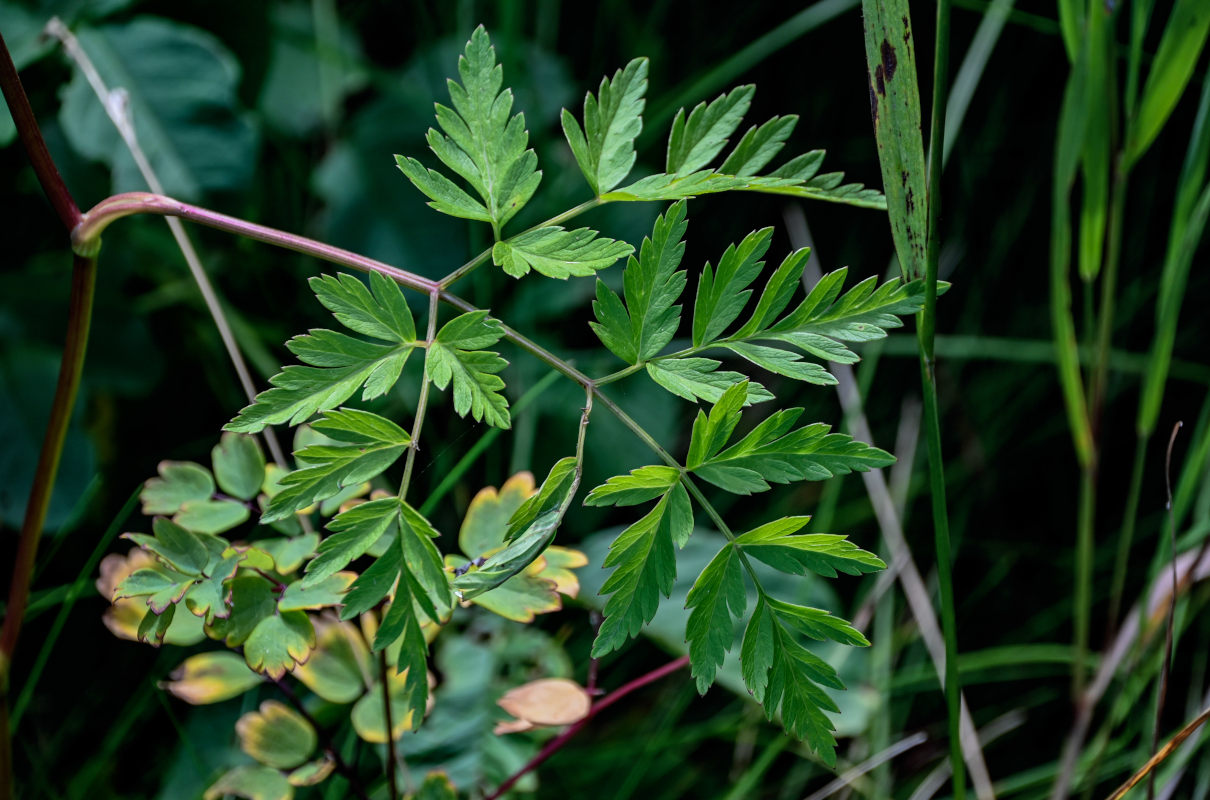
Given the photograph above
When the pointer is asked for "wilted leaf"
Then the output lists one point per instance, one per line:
(276, 735)
(549, 701)
(211, 678)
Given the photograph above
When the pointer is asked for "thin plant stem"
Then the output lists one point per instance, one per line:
(117, 107)
(556, 744)
(1082, 593)
(926, 331)
(477, 261)
(421, 404)
(393, 787)
(1167, 666)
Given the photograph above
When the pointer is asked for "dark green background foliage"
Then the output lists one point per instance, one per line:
(287, 118)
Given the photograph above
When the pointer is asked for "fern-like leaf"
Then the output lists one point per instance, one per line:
(644, 568)
(644, 326)
(558, 253)
(772, 452)
(456, 356)
(339, 364)
(481, 143)
(604, 148)
(369, 444)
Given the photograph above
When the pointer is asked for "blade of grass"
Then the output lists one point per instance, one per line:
(971, 70)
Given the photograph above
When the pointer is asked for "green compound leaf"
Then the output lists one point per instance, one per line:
(641, 485)
(456, 356)
(771, 452)
(181, 549)
(239, 465)
(425, 570)
(252, 600)
(645, 568)
(207, 598)
(339, 364)
(401, 623)
(179, 482)
(759, 146)
(353, 533)
(640, 329)
(276, 735)
(481, 144)
(251, 781)
(696, 140)
(279, 642)
(379, 311)
(558, 253)
(613, 119)
(783, 362)
(373, 585)
(722, 295)
(783, 675)
(328, 592)
(369, 444)
(822, 553)
(155, 625)
(699, 378)
(716, 597)
(211, 678)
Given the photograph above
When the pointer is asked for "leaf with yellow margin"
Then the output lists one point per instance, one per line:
(253, 782)
(211, 678)
(339, 669)
(276, 735)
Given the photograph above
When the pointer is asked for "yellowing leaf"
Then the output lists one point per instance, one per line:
(124, 616)
(312, 773)
(211, 678)
(560, 561)
(486, 519)
(368, 719)
(549, 701)
(253, 782)
(276, 735)
(339, 668)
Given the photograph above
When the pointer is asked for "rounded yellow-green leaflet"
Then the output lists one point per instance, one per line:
(276, 735)
(211, 678)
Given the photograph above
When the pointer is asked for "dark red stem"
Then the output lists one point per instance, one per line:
(555, 744)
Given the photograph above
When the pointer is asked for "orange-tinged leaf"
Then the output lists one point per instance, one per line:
(211, 678)
(548, 701)
(276, 735)
(560, 561)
